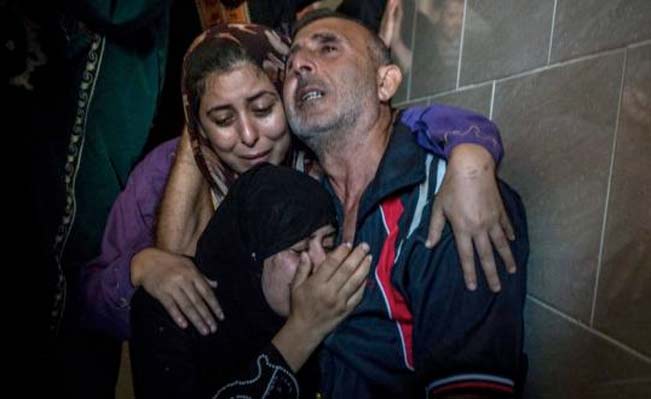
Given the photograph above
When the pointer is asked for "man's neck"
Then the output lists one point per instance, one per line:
(351, 165)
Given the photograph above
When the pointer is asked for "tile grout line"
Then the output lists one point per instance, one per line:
(412, 43)
(551, 33)
(639, 44)
(463, 31)
(532, 71)
(608, 190)
(599, 334)
(564, 63)
(452, 91)
(490, 113)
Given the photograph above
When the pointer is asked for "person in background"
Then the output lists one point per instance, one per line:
(86, 87)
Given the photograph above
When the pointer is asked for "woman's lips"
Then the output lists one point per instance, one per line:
(257, 156)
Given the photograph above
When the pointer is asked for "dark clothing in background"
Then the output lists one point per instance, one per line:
(368, 11)
(85, 79)
(280, 14)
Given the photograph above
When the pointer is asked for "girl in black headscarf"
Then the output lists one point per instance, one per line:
(257, 247)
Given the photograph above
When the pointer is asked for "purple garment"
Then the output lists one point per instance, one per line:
(107, 287)
(440, 128)
(106, 284)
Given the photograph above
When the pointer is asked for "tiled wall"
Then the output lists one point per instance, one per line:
(569, 84)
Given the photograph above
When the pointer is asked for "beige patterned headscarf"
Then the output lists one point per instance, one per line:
(268, 50)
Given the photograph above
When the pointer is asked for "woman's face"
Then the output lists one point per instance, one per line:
(279, 270)
(242, 116)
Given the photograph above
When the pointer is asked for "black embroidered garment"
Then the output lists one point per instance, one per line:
(266, 211)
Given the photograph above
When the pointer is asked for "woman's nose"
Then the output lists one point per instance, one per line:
(249, 133)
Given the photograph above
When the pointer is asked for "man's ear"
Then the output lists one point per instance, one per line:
(389, 77)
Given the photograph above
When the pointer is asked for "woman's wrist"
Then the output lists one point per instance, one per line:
(296, 341)
(138, 266)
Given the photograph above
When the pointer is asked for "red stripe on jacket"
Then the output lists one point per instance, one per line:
(392, 210)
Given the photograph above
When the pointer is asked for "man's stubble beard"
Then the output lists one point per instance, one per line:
(324, 137)
(331, 134)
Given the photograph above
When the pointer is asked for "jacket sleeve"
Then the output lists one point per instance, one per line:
(468, 342)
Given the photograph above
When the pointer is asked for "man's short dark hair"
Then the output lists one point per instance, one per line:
(378, 50)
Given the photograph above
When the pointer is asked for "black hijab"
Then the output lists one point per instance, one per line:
(267, 210)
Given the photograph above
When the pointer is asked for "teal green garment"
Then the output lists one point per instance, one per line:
(120, 111)
(114, 57)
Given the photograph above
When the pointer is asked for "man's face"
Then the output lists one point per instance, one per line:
(330, 79)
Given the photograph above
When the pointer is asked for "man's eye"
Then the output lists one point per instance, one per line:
(328, 49)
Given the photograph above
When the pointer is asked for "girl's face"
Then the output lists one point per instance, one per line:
(242, 116)
(279, 270)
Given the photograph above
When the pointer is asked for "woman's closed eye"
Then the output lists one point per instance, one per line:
(222, 119)
(263, 111)
(299, 247)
